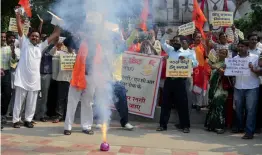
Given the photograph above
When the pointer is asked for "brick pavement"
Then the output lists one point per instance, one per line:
(35, 142)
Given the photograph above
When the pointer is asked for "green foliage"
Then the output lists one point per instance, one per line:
(252, 21)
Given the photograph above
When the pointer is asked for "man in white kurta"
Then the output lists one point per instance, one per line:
(27, 78)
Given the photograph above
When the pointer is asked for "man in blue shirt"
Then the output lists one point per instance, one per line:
(175, 88)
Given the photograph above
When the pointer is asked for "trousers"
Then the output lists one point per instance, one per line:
(62, 96)
(42, 99)
(6, 92)
(175, 93)
(20, 96)
(86, 98)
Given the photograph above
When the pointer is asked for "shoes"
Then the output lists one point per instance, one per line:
(220, 131)
(29, 124)
(161, 129)
(67, 132)
(248, 136)
(43, 119)
(186, 130)
(17, 125)
(89, 132)
(128, 126)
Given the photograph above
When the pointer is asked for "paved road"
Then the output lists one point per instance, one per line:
(47, 139)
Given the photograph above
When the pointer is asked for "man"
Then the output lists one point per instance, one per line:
(46, 76)
(175, 88)
(27, 77)
(246, 91)
(7, 55)
(253, 48)
(11, 38)
(156, 43)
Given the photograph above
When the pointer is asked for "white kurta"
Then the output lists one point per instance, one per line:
(27, 74)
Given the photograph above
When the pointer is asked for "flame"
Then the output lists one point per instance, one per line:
(104, 132)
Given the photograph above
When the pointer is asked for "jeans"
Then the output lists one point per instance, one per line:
(120, 103)
(42, 99)
(250, 97)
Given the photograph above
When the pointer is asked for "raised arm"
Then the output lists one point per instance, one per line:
(41, 24)
(54, 35)
(167, 48)
(18, 22)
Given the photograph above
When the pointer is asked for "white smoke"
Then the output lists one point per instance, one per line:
(78, 19)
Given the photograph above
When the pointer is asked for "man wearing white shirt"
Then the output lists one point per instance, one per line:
(246, 92)
(27, 77)
(175, 88)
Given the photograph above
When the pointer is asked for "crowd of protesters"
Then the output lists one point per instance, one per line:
(32, 80)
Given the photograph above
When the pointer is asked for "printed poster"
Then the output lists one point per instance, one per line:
(237, 67)
(179, 68)
(187, 29)
(221, 18)
(13, 26)
(67, 61)
(141, 77)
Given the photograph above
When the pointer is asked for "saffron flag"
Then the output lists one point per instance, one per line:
(26, 5)
(144, 16)
(199, 18)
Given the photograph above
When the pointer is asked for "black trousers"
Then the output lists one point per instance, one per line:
(62, 95)
(52, 99)
(175, 93)
(6, 92)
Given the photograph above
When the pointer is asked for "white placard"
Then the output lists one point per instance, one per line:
(237, 67)
(141, 76)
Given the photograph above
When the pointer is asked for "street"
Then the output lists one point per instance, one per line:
(48, 139)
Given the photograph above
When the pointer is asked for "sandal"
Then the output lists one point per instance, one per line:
(67, 132)
(161, 129)
(89, 132)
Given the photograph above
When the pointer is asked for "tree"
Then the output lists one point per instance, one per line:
(252, 21)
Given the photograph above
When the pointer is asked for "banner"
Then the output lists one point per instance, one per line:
(221, 18)
(67, 61)
(187, 29)
(13, 26)
(237, 67)
(141, 76)
(179, 68)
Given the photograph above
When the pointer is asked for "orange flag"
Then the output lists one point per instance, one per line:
(144, 16)
(199, 18)
(26, 5)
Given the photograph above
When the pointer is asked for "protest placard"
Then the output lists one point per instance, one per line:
(221, 18)
(141, 76)
(67, 62)
(237, 67)
(13, 26)
(187, 29)
(179, 68)
(57, 21)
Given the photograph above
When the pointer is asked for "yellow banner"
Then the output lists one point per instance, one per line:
(13, 27)
(67, 62)
(187, 29)
(179, 68)
(221, 18)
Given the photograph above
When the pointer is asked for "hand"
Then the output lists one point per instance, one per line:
(41, 20)
(18, 10)
(181, 58)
